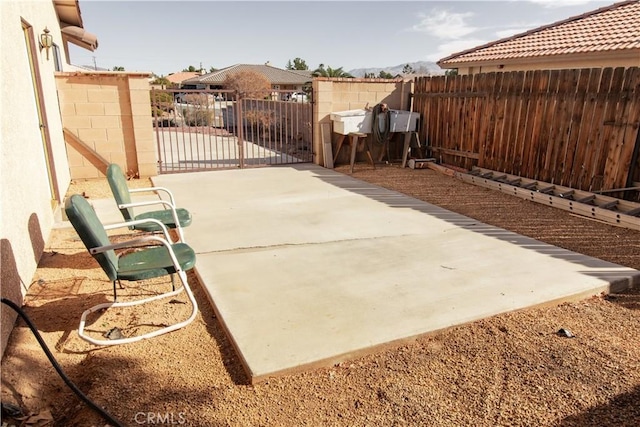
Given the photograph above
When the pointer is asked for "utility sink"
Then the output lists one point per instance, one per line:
(345, 122)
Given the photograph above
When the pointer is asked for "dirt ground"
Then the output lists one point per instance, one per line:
(508, 370)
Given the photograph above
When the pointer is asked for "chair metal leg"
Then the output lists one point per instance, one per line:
(115, 297)
(173, 282)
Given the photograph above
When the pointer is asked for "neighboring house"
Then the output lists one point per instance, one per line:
(606, 37)
(34, 168)
(280, 79)
(178, 78)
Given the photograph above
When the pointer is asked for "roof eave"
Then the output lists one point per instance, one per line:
(529, 32)
(71, 25)
(630, 54)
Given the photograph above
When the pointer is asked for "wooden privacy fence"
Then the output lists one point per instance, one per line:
(577, 128)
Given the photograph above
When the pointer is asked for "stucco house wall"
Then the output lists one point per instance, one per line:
(27, 203)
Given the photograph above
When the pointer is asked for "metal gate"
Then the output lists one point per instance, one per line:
(198, 130)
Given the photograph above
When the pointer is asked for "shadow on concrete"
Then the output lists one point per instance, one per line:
(620, 280)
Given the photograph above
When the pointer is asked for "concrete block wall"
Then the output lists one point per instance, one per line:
(341, 94)
(110, 113)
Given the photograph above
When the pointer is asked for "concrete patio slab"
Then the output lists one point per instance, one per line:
(306, 266)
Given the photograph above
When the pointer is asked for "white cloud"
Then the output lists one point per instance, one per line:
(508, 32)
(444, 24)
(454, 46)
(553, 4)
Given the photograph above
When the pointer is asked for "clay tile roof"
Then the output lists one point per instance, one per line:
(615, 27)
(273, 74)
(181, 76)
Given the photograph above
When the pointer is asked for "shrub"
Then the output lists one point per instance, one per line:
(249, 84)
(198, 117)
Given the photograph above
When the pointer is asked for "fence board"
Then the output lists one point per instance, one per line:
(514, 99)
(587, 128)
(503, 122)
(549, 123)
(533, 122)
(627, 162)
(521, 100)
(575, 119)
(438, 119)
(486, 125)
(542, 129)
(560, 130)
(455, 123)
(471, 142)
(619, 123)
(611, 93)
(463, 116)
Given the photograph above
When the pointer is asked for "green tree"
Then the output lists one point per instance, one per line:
(297, 64)
(385, 75)
(212, 69)
(118, 68)
(321, 71)
(161, 81)
(161, 104)
(193, 69)
(407, 69)
(451, 72)
(369, 75)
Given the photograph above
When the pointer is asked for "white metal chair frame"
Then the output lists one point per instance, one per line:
(166, 242)
(171, 204)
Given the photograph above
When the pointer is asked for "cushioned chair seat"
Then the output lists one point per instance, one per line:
(154, 262)
(165, 217)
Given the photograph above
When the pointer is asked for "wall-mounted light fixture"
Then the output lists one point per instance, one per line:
(46, 41)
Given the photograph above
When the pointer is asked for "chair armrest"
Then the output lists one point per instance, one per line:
(142, 241)
(156, 189)
(147, 203)
(174, 213)
(128, 224)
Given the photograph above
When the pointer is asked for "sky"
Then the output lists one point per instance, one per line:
(164, 37)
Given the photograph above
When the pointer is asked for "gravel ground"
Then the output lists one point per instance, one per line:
(511, 369)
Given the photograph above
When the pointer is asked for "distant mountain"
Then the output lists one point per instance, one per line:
(420, 67)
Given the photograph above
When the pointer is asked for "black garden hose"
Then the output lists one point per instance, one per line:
(381, 113)
(108, 417)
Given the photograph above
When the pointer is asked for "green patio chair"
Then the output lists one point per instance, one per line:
(154, 256)
(171, 216)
